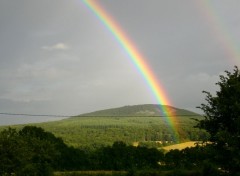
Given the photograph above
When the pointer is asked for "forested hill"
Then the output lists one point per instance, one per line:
(141, 110)
(142, 124)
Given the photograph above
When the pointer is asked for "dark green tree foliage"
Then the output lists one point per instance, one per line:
(222, 121)
(32, 151)
(27, 152)
(122, 157)
(188, 158)
(10, 155)
(174, 159)
(65, 157)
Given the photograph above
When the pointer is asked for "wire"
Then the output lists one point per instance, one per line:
(47, 115)
(41, 115)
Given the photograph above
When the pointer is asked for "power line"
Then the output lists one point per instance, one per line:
(186, 115)
(47, 115)
(39, 115)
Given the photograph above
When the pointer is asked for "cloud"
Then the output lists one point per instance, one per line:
(201, 78)
(58, 46)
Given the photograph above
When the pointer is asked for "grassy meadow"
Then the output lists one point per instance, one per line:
(180, 146)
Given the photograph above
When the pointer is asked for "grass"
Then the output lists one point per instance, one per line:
(91, 173)
(180, 146)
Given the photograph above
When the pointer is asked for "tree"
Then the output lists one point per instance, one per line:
(50, 152)
(30, 151)
(222, 121)
(11, 157)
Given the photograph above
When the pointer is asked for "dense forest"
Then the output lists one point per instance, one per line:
(142, 124)
(30, 150)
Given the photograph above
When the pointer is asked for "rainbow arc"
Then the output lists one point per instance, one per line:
(137, 59)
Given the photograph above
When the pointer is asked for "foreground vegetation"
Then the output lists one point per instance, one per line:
(33, 151)
(132, 173)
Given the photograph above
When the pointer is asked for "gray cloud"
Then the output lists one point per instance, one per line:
(58, 46)
(57, 57)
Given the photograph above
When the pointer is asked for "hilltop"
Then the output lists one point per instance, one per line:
(141, 110)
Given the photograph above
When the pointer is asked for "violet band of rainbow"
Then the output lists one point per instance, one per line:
(138, 61)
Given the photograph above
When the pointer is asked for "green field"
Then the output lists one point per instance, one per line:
(181, 145)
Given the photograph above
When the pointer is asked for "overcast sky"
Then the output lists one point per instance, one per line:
(58, 58)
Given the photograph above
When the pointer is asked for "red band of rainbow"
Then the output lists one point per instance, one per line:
(138, 60)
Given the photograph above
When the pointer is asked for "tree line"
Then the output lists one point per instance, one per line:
(33, 151)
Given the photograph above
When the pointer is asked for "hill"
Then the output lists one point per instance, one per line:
(144, 124)
(141, 110)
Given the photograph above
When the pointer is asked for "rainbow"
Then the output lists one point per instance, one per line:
(137, 59)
